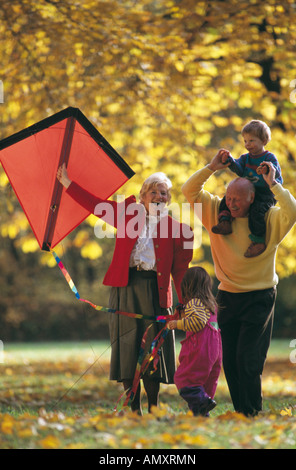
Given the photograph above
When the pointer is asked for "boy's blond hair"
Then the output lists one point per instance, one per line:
(259, 129)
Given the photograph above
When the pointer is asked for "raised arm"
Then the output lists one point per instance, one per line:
(62, 176)
(283, 217)
(108, 210)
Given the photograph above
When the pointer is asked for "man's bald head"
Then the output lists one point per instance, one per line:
(240, 194)
(243, 184)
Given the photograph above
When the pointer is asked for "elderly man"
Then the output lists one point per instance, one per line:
(247, 289)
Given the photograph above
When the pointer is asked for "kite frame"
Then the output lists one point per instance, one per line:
(71, 114)
(85, 123)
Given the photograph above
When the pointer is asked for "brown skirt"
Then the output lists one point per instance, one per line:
(139, 296)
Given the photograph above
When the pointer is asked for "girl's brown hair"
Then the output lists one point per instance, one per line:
(197, 283)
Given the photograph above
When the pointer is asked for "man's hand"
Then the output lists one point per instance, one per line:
(269, 176)
(219, 161)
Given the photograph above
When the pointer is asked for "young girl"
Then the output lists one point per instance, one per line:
(200, 358)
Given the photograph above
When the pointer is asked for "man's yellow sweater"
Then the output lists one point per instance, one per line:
(235, 272)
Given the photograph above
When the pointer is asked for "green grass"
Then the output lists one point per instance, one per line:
(58, 395)
(279, 349)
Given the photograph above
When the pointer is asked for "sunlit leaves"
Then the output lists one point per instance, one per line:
(91, 250)
(167, 83)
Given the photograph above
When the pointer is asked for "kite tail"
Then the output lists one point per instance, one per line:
(144, 361)
(159, 318)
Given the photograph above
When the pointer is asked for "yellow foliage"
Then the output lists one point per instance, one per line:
(286, 412)
(25, 433)
(50, 442)
(3, 179)
(9, 230)
(220, 121)
(91, 250)
(30, 245)
(81, 238)
(167, 85)
(7, 424)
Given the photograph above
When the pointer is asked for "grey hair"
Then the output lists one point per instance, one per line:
(154, 180)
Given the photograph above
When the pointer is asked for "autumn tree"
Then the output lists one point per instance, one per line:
(167, 82)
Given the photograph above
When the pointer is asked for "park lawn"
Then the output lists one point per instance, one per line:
(58, 396)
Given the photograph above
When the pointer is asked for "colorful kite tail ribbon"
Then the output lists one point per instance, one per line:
(144, 361)
(159, 318)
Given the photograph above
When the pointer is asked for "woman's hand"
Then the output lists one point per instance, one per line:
(62, 176)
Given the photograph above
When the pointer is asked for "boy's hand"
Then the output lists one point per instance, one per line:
(219, 161)
(262, 169)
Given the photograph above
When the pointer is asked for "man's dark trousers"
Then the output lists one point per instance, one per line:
(246, 321)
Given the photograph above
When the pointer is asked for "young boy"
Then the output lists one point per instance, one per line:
(256, 135)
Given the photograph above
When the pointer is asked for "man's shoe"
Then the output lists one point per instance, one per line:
(255, 249)
(222, 228)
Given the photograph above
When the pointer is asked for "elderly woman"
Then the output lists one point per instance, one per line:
(150, 247)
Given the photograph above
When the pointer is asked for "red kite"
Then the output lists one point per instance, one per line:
(31, 158)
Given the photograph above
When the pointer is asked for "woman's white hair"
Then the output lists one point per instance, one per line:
(154, 179)
(158, 177)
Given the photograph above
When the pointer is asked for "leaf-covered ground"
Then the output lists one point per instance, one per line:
(54, 397)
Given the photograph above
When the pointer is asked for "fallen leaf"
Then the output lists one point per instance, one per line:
(50, 442)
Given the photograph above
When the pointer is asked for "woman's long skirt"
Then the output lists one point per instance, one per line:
(139, 296)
